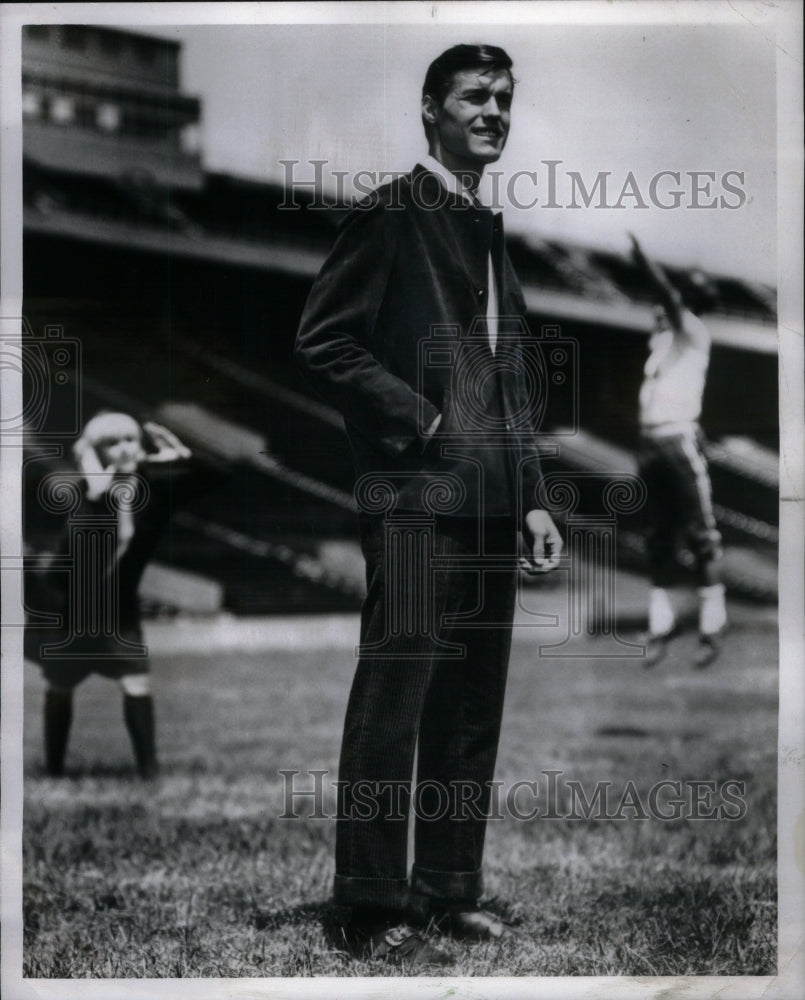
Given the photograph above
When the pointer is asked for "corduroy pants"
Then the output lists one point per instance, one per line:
(435, 639)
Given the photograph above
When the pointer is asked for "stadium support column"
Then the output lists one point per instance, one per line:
(592, 555)
(93, 600)
(409, 566)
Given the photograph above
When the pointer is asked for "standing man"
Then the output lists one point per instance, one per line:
(672, 463)
(413, 330)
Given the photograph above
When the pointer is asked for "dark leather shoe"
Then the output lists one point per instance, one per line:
(656, 648)
(403, 945)
(476, 925)
(709, 649)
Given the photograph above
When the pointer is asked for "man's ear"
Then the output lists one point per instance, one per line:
(430, 109)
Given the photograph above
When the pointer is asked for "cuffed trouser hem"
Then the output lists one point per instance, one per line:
(385, 893)
(447, 885)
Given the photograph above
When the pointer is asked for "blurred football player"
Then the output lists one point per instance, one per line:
(113, 455)
(673, 465)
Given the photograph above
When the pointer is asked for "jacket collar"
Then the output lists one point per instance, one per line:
(428, 187)
(427, 180)
(448, 180)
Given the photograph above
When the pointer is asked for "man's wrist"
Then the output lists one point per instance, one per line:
(431, 429)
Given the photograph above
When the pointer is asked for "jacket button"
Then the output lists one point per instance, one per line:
(481, 293)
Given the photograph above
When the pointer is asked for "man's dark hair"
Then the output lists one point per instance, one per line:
(444, 67)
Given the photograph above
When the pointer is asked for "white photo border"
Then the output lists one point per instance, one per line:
(781, 25)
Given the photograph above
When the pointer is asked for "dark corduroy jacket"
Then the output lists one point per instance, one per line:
(394, 333)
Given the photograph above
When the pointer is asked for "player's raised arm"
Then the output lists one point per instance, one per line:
(668, 297)
(168, 446)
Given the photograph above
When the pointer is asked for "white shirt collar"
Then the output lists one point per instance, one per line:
(448, 179)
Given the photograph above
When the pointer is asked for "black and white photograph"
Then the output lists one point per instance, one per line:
(402, 481)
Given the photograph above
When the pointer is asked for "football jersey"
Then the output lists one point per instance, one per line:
(674, 375)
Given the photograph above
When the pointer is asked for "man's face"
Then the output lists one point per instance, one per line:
(473, 120)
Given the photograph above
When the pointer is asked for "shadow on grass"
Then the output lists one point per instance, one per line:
(118, 771)
(292, 916)
(331, 920)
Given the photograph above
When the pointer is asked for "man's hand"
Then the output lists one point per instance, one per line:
(543, 541)
(98, 478)
(669, 298)
(169, 447)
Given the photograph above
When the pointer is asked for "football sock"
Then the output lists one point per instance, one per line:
(138, 712)
(661, 618)
(712, 609)
(58, 718)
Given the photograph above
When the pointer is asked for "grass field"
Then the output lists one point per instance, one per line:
(197, 876)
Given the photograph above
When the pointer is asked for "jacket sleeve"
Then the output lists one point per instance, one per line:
(338, 330)
(529, 469)
(530, 476)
